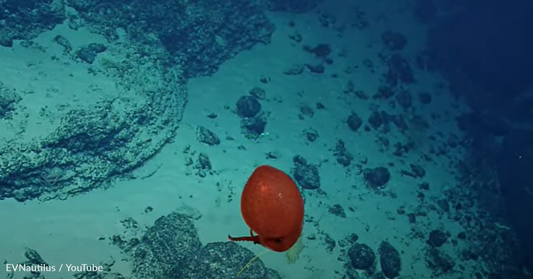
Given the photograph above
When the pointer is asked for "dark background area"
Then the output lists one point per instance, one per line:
(484, 50)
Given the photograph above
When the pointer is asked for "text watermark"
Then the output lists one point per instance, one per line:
(53, 268)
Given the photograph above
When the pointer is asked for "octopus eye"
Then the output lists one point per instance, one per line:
(277, 240)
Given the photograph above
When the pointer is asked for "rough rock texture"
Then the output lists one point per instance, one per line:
(376, 177)
(97, 143)
(294, 6)
(16, 15)
(171, 249)
(389, 259)
(362, 256)
(439, 262)
(199, 35)
(166, 248)
(306, 175)
(8, 99)
(171, 40)
(437, 238)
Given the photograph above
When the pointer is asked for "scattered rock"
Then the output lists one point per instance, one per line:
(206, 136)
(399, 122)
(376, 120)
(389, 259)
(296, 36)
(437, 238)
(306, 110)
(344, 157)
(330, 243)
(171, 248)
(320, 51)
(412, 218)
(222, 260)
(273, 155)
(404, 99)
(306, 175)
(294, 70)
(316, 69)
(89, 52)
(470, 253)
(165, 246)
(204, 165)
(129, 223)
(248, 106)
(377, 177)
(258, 92)
(424, 186)
(254, 127)
(354, 122)
(64, 42)
(362, 257)
(349, 87)
(8, 99)
(444, 205)
(418, 170)
(438, 261)
(361, 94)
(393, 41)
(265, 80)
(34, 257)
(384, 92)
(399, 70)
(337, 210)
(310, 134)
